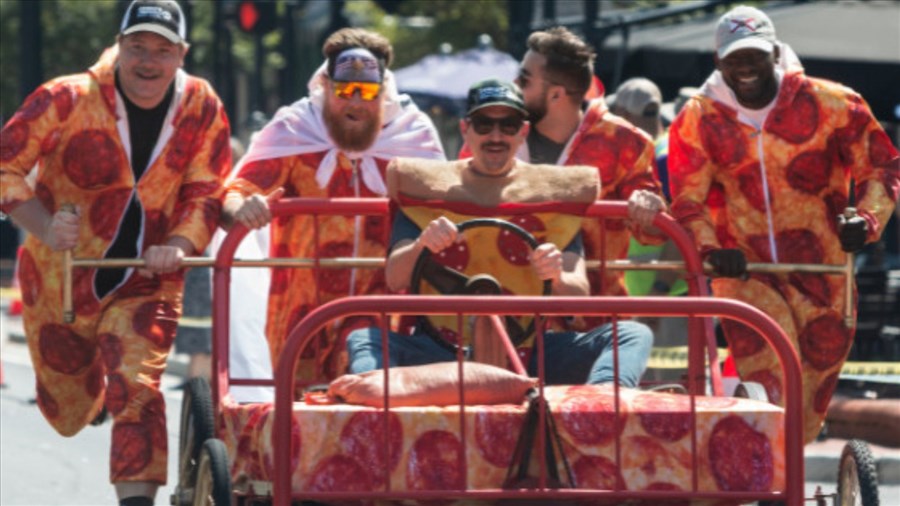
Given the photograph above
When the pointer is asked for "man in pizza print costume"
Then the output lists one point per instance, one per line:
(335, 143)
(761, 161)
(554, 75)
(138, 149)
(494, 127)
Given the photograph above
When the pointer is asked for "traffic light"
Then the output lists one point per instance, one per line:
(256, 16)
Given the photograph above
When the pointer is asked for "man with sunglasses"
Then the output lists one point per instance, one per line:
(495, 128)
(334, 143)
(555, 74)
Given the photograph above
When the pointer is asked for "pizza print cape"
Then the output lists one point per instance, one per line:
(776, 195)
(294, 152)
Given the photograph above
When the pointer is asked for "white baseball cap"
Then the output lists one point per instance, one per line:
(744, 27)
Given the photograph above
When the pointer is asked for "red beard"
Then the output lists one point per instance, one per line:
(356, 136)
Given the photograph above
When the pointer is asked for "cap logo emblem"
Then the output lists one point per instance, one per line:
(492, 93)
(749, 23)
(154, 11)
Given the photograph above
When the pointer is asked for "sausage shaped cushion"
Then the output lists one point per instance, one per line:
(433, 385)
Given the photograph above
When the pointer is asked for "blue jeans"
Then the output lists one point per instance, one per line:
(572, 358)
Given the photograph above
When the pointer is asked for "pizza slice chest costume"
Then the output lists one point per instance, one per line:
(775, 194)
(294, 152)
(74, 130)
(548, 202)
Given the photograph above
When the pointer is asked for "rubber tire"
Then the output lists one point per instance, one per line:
(857, 475)
(213, 476)
(197, 426)
(751, 390)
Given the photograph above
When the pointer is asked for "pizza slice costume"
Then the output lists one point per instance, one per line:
(295, 152)
(776, 194)
(549, 202)
(74, 132)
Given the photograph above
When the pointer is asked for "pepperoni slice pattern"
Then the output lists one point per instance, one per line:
(132, 449)
(796, 121)
(497, 430)
(30, 280)
(667, 417)
(336, 281)
(46, 402)
(111, 348)
(64, 97)
(722, 139)
(434, 462)
(262, 173)
(35, 105)
(92, 159)
(156, 321)
(363, 439)
(740, 457)
(63, 350)
(591, 420)
(809, 172)
(824, 341)
(153, 416)
(596, 472)
(743, 340)
(116, 393)
(339, 473)
(455, 256)
(106, 212)
(13, 140)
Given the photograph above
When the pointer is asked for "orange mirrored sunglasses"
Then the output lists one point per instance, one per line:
(367, 91)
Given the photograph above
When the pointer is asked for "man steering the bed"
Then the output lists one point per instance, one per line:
(493, 179)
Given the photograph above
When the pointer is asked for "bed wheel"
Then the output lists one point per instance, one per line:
(751, 390)
(197, 425)
(857, 476)
(213, 486)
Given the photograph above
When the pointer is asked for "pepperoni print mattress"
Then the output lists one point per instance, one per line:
(740, 443)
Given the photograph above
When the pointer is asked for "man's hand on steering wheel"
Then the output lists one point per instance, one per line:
(547, 262)
(438, 235)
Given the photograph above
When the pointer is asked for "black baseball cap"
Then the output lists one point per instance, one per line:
(491, 92)
(163, 17)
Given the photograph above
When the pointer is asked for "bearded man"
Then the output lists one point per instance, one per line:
(334, 143)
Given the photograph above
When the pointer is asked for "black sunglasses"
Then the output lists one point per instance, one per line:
(483, 125)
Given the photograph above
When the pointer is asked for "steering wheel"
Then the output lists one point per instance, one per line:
(449, 281)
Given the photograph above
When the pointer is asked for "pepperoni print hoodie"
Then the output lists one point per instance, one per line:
(74, 131)
(776, 194)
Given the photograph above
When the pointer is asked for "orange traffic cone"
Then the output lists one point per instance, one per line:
(15, 306)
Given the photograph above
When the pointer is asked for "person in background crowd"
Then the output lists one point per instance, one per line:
(335, 143)
(761, 163)
(130, 159)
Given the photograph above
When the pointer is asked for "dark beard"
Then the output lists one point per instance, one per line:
(537, 114)
(357, 138)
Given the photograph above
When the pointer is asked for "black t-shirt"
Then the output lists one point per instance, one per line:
(144, 126)
(541, 149)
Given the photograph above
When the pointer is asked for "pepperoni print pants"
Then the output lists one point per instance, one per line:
(809, 307)
(113, 356)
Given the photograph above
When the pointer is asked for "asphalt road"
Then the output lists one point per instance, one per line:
(38, 467)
